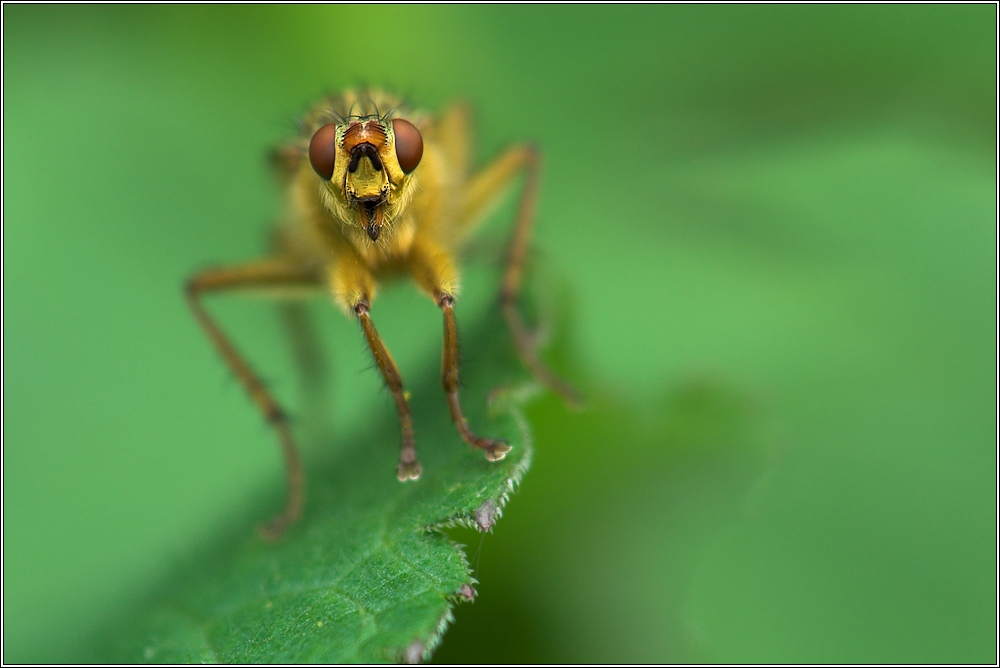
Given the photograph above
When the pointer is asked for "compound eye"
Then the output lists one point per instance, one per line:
(409, 144)
(323, 150)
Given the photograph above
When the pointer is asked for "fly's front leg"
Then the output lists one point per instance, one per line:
(409, 468)
(353, 287)
(495, 449)
(434, 271)
(483, 192)
(261, 275)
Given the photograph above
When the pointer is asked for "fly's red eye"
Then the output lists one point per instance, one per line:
(409, 144)
(323, 150)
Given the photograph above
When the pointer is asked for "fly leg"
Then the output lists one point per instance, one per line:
(495, 449)
(305, 346)
(434, 271)
(409, 468)
(483, 191)
(265, 275)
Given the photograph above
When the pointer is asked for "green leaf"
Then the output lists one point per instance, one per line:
(367, 576)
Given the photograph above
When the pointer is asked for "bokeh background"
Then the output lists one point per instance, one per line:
(771, 233)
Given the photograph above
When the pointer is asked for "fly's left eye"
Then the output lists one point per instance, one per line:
(409, 144)
(323, 150)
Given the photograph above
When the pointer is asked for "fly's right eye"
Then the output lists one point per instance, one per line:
(323, 151)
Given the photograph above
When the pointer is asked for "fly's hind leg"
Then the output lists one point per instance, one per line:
(483, 192)
(271, 275)
(305, 345)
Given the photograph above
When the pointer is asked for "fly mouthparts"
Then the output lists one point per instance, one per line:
(371, 216)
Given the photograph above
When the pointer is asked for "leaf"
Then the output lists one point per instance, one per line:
(367, 576)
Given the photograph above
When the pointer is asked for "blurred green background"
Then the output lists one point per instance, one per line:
(772, 232)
